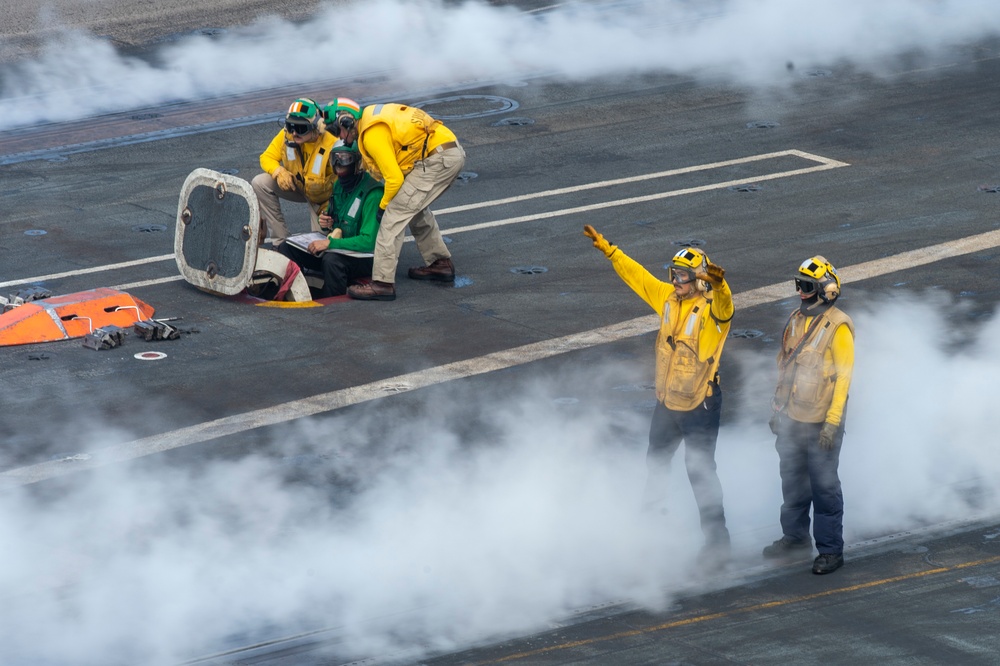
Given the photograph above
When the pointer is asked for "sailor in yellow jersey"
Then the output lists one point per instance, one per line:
(815, 365)
(417, 158)
(695, 310)
(296, 167)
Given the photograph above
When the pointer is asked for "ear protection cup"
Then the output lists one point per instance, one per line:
(817, 269)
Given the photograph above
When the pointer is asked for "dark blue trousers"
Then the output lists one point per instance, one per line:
(699, 430)
(809, 478)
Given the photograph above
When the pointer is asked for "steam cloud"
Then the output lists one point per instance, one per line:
(473, 515)
(749, 41)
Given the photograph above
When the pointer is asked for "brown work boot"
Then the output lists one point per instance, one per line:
(440, 271)
(373, 291)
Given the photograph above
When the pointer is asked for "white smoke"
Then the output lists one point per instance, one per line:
(466, 515)
(918, 448)
(750, 42)
(921, 415)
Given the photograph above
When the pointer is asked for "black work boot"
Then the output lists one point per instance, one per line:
(441, 270)
(786, 547)
(827, 563)
(373, 291)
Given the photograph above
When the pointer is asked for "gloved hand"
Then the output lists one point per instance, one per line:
(714, 274)
(378, 215)
(773, 423)
(826, 441)
(599, 241)
(283, 177)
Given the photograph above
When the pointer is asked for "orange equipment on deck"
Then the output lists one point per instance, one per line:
(70, 316)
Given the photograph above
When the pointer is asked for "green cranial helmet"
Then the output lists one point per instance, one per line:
(304, 110)
(341, 105)
(342, 113)
(345, 154)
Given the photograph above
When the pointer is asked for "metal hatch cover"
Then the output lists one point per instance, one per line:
(215, 239)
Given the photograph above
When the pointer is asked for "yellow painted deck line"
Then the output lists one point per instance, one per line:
(747, 609)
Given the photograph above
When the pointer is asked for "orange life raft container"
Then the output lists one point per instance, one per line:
(70, 316)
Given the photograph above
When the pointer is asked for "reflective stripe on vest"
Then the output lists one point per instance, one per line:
(692, 320)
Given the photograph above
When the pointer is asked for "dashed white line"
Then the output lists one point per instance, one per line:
(333, 400)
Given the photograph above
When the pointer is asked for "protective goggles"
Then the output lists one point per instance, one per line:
(681, 275)
(806, 286)
(300, 128)
(344, 159)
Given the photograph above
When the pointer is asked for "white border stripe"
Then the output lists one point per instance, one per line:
(84, 271)
(826, 162)
(632, 200)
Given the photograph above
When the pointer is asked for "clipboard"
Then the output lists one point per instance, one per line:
(301, 241)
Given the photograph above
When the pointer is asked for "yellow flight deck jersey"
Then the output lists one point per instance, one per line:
(394, 137)
(309, 164)
(813, 386)
(692, 333)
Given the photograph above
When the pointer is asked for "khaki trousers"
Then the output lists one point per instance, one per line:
(429, 178)
(269, 197)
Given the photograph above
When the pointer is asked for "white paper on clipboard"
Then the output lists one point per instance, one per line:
(302, 241)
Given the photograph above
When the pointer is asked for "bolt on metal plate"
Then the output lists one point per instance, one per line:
(747, 333)
(513, 122)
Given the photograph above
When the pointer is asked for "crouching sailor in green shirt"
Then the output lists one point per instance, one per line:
(351, 220)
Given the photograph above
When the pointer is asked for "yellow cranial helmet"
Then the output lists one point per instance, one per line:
(686, 264)
(818, 274)
(691, 259)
